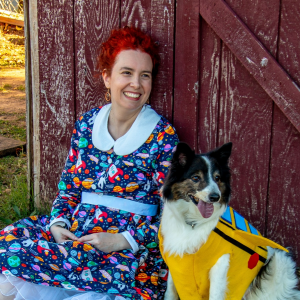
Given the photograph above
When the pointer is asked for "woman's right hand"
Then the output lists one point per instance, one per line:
(61, 235)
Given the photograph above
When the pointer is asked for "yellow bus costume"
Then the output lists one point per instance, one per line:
(234, 235)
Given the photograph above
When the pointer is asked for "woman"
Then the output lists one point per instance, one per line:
(102, 233)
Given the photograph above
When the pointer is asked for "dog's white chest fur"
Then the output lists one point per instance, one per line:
(180, 237)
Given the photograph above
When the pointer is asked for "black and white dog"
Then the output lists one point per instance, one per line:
(196, 193)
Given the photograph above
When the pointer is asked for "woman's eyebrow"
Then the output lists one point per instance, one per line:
(130, 69)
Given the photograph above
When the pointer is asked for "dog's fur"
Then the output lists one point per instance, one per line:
(206, 177)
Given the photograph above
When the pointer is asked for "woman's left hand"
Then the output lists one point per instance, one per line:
(106, 242)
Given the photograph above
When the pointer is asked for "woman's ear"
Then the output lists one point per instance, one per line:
(106, 78)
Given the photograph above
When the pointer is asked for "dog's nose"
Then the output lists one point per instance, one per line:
(214, 197)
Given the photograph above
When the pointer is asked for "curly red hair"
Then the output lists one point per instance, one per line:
(125, 39)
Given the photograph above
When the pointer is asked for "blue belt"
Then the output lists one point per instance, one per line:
(119, 203)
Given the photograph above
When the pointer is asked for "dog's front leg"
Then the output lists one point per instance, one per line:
(218, 278)
(171, 293)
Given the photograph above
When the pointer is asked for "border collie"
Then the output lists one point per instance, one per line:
(212, 252)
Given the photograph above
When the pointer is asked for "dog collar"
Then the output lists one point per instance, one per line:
(191, 224)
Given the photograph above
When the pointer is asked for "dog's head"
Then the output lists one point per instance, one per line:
(203, 180)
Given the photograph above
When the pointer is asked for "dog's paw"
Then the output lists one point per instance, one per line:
(171, 296)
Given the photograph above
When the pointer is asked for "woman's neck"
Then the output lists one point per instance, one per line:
(119, 122)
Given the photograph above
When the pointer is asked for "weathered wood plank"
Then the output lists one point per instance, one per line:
(56, 109)
(93, 24)
(28, 90)
(162, 31)
(264, 68)
(11, 21)
(246, 116)
(186, 80)
(284, 193)
(34, 105)
(209, 96)
(137, 14)
(157, 19)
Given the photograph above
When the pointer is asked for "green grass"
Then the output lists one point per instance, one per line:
(15, 200)
(21, 88)
(13, 189)
(5, 87)
(10, 130)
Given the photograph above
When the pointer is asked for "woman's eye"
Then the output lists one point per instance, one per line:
(146, 76)
(126, 73)
(195, 178)
(217, 178)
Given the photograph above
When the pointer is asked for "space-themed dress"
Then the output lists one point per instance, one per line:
(106, 186)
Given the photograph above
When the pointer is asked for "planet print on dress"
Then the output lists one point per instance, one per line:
(87, 183)
(83, 126)
(118, 189)
(170, 130)
(54, 267)
(154, 149)
(131, 187)
(15, 247)
(135, 177)
(140, 176)
(62, 186)
(113, 229)
(150, 138)
(83, 143)
(14, 261)
(59, 277)
(167, 148)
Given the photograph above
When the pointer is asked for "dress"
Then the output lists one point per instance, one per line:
(114, 189)
(233, 235)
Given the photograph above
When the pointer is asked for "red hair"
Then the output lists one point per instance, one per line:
(125, 39)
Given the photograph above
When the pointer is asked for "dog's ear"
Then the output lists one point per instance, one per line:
(222, 153)
(183, 155)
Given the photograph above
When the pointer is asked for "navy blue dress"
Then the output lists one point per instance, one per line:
(129, 187)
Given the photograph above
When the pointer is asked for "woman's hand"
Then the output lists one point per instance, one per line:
(106, 242)
(61, 235)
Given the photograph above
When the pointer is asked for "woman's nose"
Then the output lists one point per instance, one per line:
(135, 82)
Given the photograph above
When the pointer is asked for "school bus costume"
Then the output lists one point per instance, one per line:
(233, 235)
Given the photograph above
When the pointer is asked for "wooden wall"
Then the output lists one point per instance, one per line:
(202, 88)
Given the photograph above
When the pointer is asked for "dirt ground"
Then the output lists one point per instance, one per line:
(12, 75)
(12, 99)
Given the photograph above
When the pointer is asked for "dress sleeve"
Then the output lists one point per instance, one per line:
(69, 186)
(146, 233)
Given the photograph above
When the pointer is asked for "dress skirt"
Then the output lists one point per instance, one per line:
(29, 257)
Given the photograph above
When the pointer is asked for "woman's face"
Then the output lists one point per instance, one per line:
(130, 80)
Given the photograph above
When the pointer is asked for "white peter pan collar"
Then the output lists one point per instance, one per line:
(135, 137)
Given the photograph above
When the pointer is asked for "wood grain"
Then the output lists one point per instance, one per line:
(162, 31)
(263, 67)
(284, 193)
(56, 110)
(94, 21)
(246, 118)
(34, 106)
(186, 80)
(209, 90)
(157, 19)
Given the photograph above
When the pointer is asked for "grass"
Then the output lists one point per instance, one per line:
(10, 130)
(6, 87)
(15, 202)
(11, 54)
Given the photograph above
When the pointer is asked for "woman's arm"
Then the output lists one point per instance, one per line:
(146, 233)
(69, 192)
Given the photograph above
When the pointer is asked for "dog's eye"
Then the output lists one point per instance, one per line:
(217, 178)
(195, 178)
